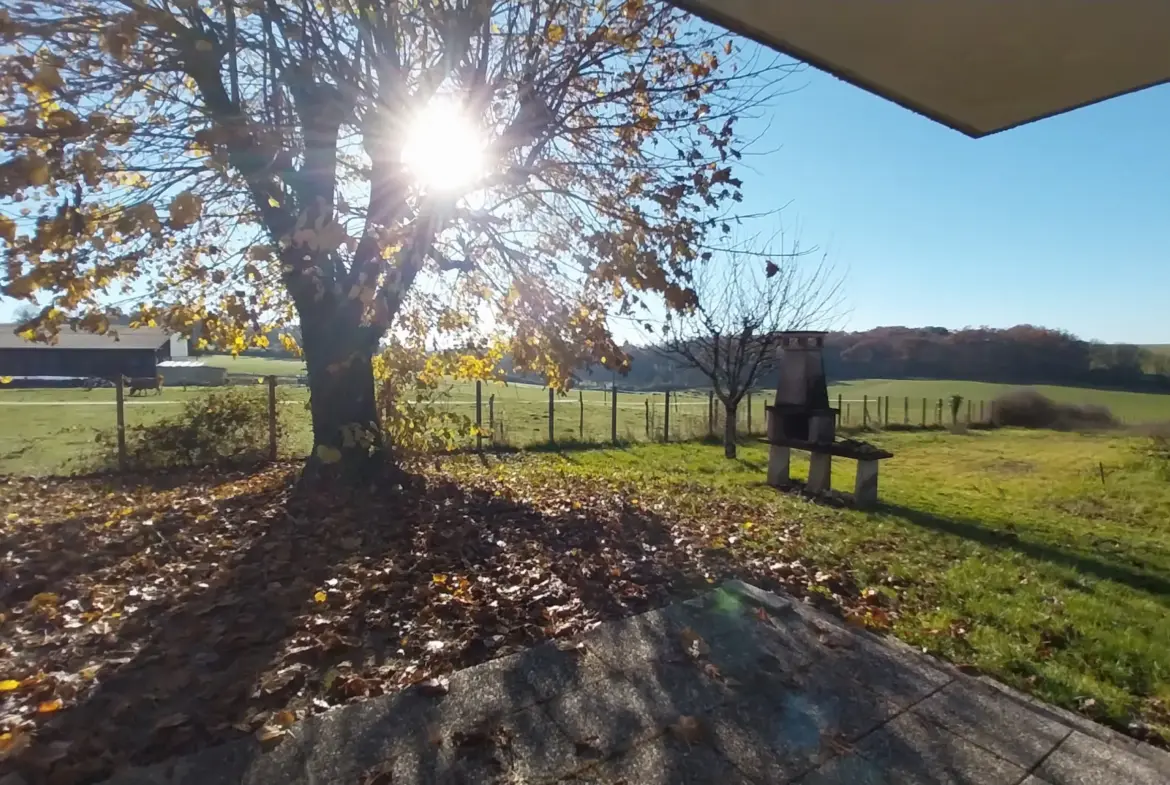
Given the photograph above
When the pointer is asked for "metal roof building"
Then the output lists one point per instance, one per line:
(128, 351)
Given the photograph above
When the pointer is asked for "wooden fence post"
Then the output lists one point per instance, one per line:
(749, 421)
(492, 415)
(120, 397)
(581, 422)
(613, 415)
(710, 414)
(647, 402)
(666, 419)
(839, 410)
(551, 436)
(981, 412)
(923, 412)
(941, 419)
(272, 418)
(886, 421)
(864, 410)
(970, 403)
(906, 410)
(848, 406)
(478, 415)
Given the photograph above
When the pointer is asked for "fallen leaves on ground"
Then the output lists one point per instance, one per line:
(143, 621)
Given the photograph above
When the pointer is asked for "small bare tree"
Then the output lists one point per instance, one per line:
(743, 304)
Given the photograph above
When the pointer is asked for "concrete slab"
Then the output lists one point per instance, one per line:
(611, 720)
(737, 685)
(1083, 760)
(779, 733)
(898, 675)
(664, 760)
(993, 722)
(911, 751)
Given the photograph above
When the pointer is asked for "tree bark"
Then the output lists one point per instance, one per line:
(729, 429)
(347, 434)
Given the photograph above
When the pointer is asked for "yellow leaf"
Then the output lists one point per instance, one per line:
(45, 599)
(38, 174)
(47, 78)
(14, 743)
(320, 596)
(328, 454)
(8, 685)
(272, 202)
(284, 718)
(48, 707)
(185, 209)
(556, 33)
(269, 733)
(5, 380)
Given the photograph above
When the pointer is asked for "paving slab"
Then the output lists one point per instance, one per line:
(995, 723)
(787, 729)
(663, 760)
(1084, 760)
(912, 751)
(736, 686)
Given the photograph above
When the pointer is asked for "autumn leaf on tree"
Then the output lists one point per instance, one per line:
(232, 168)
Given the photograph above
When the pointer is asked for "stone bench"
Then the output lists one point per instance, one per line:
(865, 486)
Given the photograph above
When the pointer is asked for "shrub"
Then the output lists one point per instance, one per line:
(1030, 409)
(412, 389)
(228, 426)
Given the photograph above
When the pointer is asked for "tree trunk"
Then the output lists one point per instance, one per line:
(347, 434)
(729, 429)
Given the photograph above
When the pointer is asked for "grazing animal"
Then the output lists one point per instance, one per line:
(145, 383)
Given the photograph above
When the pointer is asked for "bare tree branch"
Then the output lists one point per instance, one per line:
(746, 298)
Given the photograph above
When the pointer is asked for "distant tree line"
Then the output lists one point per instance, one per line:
(1017, 355)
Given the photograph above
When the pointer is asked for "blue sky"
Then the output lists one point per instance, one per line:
(1063, 223)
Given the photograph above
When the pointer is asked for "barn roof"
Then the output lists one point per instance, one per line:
(118, 338)
(978, 67)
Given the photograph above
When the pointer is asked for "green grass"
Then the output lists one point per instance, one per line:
(1004, 550)
(58, 439)
(1129, 407)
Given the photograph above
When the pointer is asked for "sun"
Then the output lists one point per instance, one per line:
(442, 148)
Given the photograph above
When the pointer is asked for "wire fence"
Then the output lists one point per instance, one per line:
(42, 429)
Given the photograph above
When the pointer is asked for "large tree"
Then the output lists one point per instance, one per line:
(745, 300)
(505, 169)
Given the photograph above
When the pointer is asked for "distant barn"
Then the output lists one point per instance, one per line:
(129, 351)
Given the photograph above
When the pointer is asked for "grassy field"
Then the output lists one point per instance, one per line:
(39, 437)
(1040, 558)
(1129, 407)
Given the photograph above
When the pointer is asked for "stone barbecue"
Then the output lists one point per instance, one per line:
(802, 419)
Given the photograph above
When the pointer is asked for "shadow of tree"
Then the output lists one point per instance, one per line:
(262, 601)
(1133, 574)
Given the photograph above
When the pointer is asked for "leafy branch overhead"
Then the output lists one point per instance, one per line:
(238, 164)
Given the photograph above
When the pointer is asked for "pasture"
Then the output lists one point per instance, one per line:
(1040, 558)
(52, 431)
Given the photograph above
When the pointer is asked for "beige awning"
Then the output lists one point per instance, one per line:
(978, 66)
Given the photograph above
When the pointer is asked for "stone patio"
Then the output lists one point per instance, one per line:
(737, 686)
